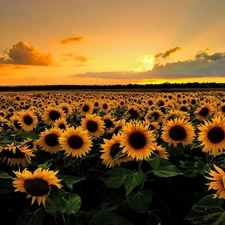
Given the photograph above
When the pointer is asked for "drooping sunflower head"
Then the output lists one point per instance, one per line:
(108, 121)
(30, 143)
(161, 151)
(49, 140)
(93, 124)
(15, 122)
(110, 149)
(37, 184)
(16, 155)
(75, 142)
(137, 140)
(212, 135)
(154, 115)
(178, 131)
(217, 182)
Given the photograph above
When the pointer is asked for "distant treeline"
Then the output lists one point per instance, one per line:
(163, 87)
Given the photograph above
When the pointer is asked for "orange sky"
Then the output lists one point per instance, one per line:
(111, 42)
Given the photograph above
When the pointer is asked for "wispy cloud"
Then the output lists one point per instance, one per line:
(23, 54)
(200, 67)
(168, 53)
(213, 57)
(71, 39)
(75, 58)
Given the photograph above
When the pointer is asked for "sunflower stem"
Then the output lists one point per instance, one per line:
(64, 220)
(140, 187)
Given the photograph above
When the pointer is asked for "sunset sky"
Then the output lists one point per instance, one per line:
(44, 42)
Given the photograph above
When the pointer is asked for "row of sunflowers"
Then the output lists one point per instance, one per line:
(86, 157)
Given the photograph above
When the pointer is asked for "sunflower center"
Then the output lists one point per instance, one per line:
(10, 154)
(85, 108)
(62, 126)
(108, 123)
(223, 181)
(133, 113)
(54, 115)
(75, 142)
(36, 187)
(96, 104)
(116, 131)
(151, 127)
(155, 115)
(92, 126)
(216, 135)
(17, 124)
(27, 120)
(105, 106)
(30, 144)
(223, 108)
(193, 101)
(137, 140)
(184, 108)
(51, 139)
(115, 148)
(204, 112)
(65, 110)
(177, 133)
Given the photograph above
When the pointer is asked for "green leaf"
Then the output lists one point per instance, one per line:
(114, 177)
(6, 186)
(54, 203)
(153, 161)
(31, 135)
(72, 203)
(45, 165)
(70, 180)
(28, 217)
(132, 179)
(207, 211)
(120, 154)
(4, 175)
(109, 218)
(140, 201)
(166, 169)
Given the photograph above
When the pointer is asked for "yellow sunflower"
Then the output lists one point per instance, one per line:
(93, 124)
(110, 149)
(16, 155)
(30, 143)
(204, 111)
(28, 120)
(15, 122)
(86, 108)
(137, 140)
(212, 135)
(66, 107)
(51, 114)
(118, 125)
(75, 142)
(49, 140)
(178, 131)
(160, 151)
(154, 115)
(37, 184)
(217, 181)
(61, 123)
(108, 121)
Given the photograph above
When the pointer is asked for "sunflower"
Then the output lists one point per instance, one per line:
(16, 155)
(105, 107)
(217, 181)
(133, 113)
(37, 184)
(49, 140)
(212, 135)
(118, 125)
(15, 122)
(75, 142)
(86, 108)
(28, 120)
(154, 115)
(52, 113)
(61, 124)
(204, 111)
(160, 151)
(66, 107)
(175, 113)
(30, 143)
(222, 108)
(178, 131)
(110, 149)
(108, 121)
(137, 140)
(93, 124)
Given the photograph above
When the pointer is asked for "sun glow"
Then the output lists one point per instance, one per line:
(148, 63)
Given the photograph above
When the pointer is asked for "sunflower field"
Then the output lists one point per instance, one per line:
(112, 158)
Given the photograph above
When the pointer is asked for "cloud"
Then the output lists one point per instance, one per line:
(75, 58)
(23, 54)
(213, 57)
(177, 70)
(168, 53)
(71, 39)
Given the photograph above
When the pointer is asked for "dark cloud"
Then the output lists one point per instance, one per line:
(71, 39)
(168, 53)
(177, 70)
(213, 57)
(23, 54)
